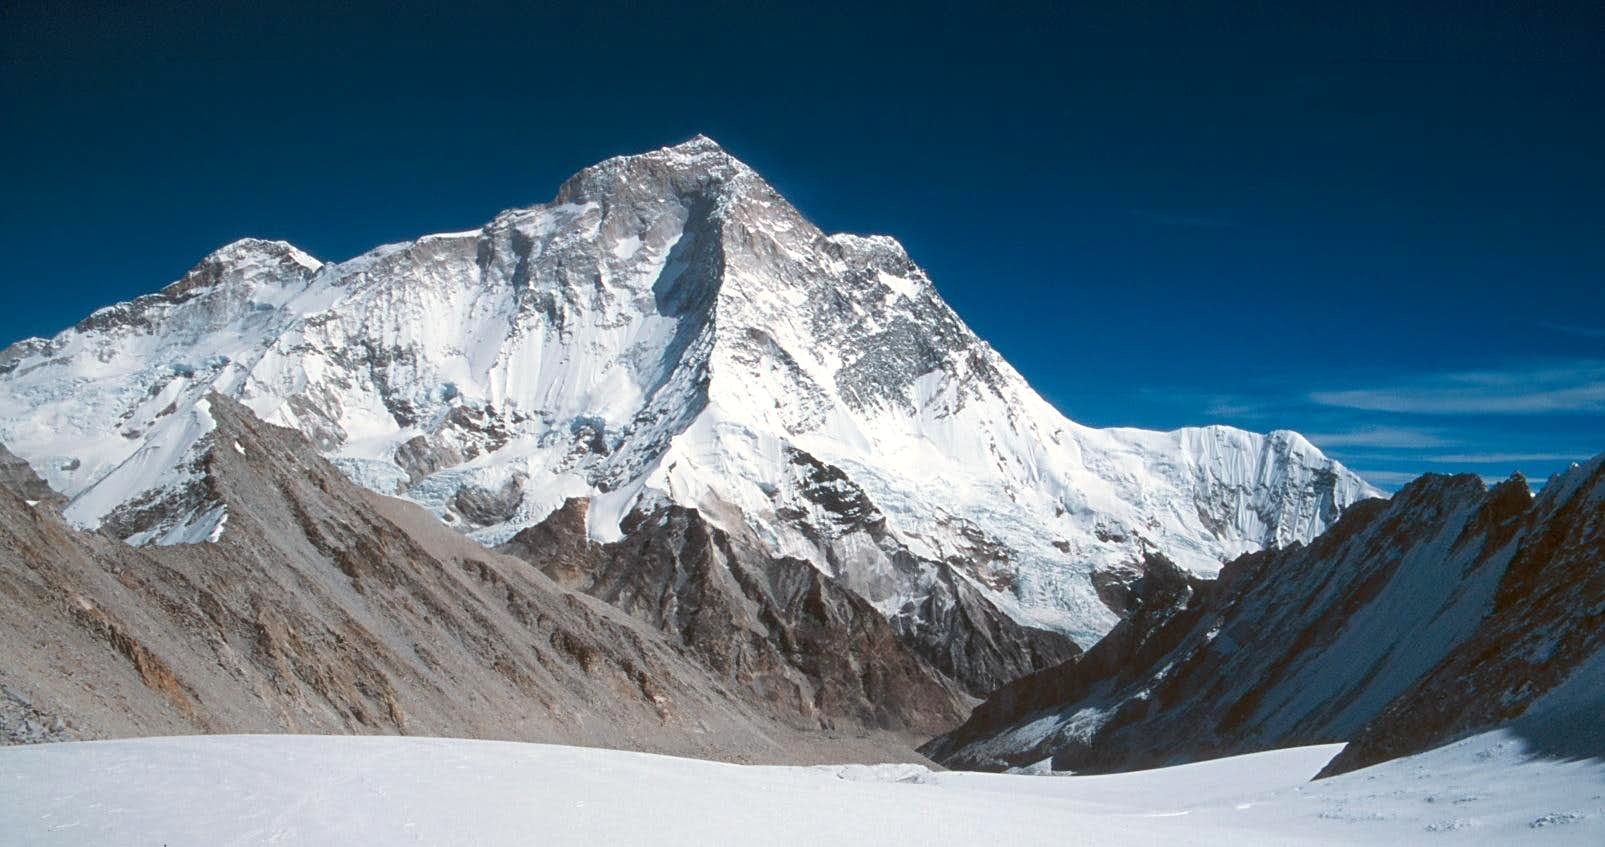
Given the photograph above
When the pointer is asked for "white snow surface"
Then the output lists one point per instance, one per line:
(667, 327)
(238, 790)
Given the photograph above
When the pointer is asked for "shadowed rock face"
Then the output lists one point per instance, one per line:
(1446, 610)
(326, 608)
(744, 609)
(774, 628)
(1154, 605)
(962, 634)
(1546, 632)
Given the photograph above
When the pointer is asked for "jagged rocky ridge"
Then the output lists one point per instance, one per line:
(744, 614)
(1446, 610)
(1535, 662)
(323, 607)
(667, 328)
(740, 608)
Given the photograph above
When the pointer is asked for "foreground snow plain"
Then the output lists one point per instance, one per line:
(238, 790)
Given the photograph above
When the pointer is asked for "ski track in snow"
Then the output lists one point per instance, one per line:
(238, 790)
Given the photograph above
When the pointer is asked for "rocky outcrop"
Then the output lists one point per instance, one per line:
(324, 608)
(958, 630)
(774, 628)
(19, 477)
(1444, 610)
(1545, 634)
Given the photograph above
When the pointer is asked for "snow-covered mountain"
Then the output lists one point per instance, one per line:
(1451, 609)
(668, 328)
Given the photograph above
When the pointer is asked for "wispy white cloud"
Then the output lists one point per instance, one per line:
(1398, 479)
(1503, 458)
(1379, 436)
(1212, 405)
(1391, 479)
(1228, 406)
(1551, 389)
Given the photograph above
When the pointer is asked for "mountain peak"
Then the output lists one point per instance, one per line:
(693, 168)
(255, 250)
(698, 143)
(245, 258)
(697, 151)
(253, 246)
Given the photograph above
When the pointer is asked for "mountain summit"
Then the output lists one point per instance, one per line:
(668, 330)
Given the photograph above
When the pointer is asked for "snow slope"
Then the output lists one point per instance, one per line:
(226, 790)
(668, 327)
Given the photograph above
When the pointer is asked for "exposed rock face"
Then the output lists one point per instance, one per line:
(1156, 581)
(963, 635)
(1537, 659)
(22, 723)
(321, 607)
(1456, 603)
(482, 505)
(19, 477)
(667, 328)
(775, 628)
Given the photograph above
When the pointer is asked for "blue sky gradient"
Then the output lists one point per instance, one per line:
(1381, 226)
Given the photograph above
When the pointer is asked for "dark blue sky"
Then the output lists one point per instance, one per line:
(1382, 226)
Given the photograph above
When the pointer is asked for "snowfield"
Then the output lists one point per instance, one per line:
(238, 790)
